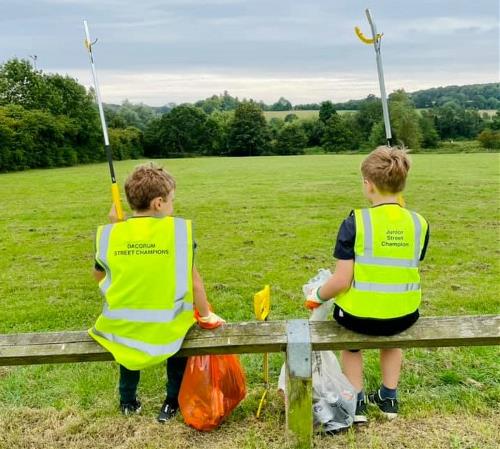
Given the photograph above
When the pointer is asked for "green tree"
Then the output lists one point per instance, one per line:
(281, 105)
(291, 117)
(152, 139)
(430, 137)
(377, 135)
(370, 112)
(495, 123)
(453, 121)
(291, 139)
(126, 143)
(184, 130)
(22, 85)
(489, 138)
(404, 120)
(35, 139)
(338, 135)
(248, 133)
(313, 129)
(326, 111)
(275, 125)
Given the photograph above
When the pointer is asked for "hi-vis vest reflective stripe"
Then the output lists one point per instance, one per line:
(147, 289)
(387, 248)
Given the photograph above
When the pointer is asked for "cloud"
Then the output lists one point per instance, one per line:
(158, 89)
(187, 49)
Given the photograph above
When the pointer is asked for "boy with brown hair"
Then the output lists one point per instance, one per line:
(376, 283)
(146, 273)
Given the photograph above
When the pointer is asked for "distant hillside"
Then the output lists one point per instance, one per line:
(470, 96)
(480, 96)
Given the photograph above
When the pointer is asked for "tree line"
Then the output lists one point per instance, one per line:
(472, 96)
(187, 129)
(49, 120)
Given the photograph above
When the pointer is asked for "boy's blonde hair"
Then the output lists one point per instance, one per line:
(387, 168)
(146, 182)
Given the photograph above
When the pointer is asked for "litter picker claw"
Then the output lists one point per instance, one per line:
(376, 40)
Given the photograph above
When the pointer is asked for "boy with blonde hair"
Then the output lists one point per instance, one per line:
(146, 273)
(376, 283)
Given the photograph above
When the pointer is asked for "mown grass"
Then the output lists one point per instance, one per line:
(257, 220)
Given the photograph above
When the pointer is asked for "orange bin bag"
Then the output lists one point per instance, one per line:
(212, 386)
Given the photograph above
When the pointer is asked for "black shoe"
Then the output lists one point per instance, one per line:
(130, 408)
(360, 414)
(168, 410)
(389, 407)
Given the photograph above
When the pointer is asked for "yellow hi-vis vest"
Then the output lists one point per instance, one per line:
(386, 283)
(147, 289)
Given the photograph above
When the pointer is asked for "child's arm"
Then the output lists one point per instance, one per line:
(205, 317)
(338, 282)
(200, 297)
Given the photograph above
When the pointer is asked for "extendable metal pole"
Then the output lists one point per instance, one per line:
(115, 192)
(383, 95)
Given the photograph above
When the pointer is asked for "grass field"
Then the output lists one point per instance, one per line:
(257, 220)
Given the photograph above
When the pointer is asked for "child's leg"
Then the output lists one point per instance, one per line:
(175, 371)
(352, 363)
(390, 364)
(128, 384)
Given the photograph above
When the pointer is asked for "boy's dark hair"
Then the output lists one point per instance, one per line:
(387, 168)
(146, 182)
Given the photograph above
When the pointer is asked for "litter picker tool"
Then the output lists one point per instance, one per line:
(376, 40)
(115, 192)
(262, 305)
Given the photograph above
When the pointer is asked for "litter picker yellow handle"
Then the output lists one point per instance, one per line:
(115, 195)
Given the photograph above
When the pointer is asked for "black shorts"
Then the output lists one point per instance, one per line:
(374, 326)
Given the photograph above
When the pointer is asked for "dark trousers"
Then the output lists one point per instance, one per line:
(129, 380)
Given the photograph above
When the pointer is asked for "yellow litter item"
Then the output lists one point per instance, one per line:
(262, 306)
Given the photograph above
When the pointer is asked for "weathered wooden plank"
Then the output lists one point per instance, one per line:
(298, 404)
(256, 337)
(78, 346)
(248, 329)
(427, 332)
(88, 351)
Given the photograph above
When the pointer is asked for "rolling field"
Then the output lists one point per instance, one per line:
(300, 114)
(257, 220)
(314, 114)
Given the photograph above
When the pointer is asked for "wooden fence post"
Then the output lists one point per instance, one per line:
(299, 418)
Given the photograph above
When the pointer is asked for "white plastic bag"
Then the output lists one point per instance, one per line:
(334, 398)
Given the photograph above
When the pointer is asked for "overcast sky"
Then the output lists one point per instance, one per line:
(160, 51)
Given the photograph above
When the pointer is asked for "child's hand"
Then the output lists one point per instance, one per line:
(313, 300)
(211, 321)
(113, 216)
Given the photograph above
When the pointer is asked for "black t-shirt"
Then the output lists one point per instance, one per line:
(344, 246)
